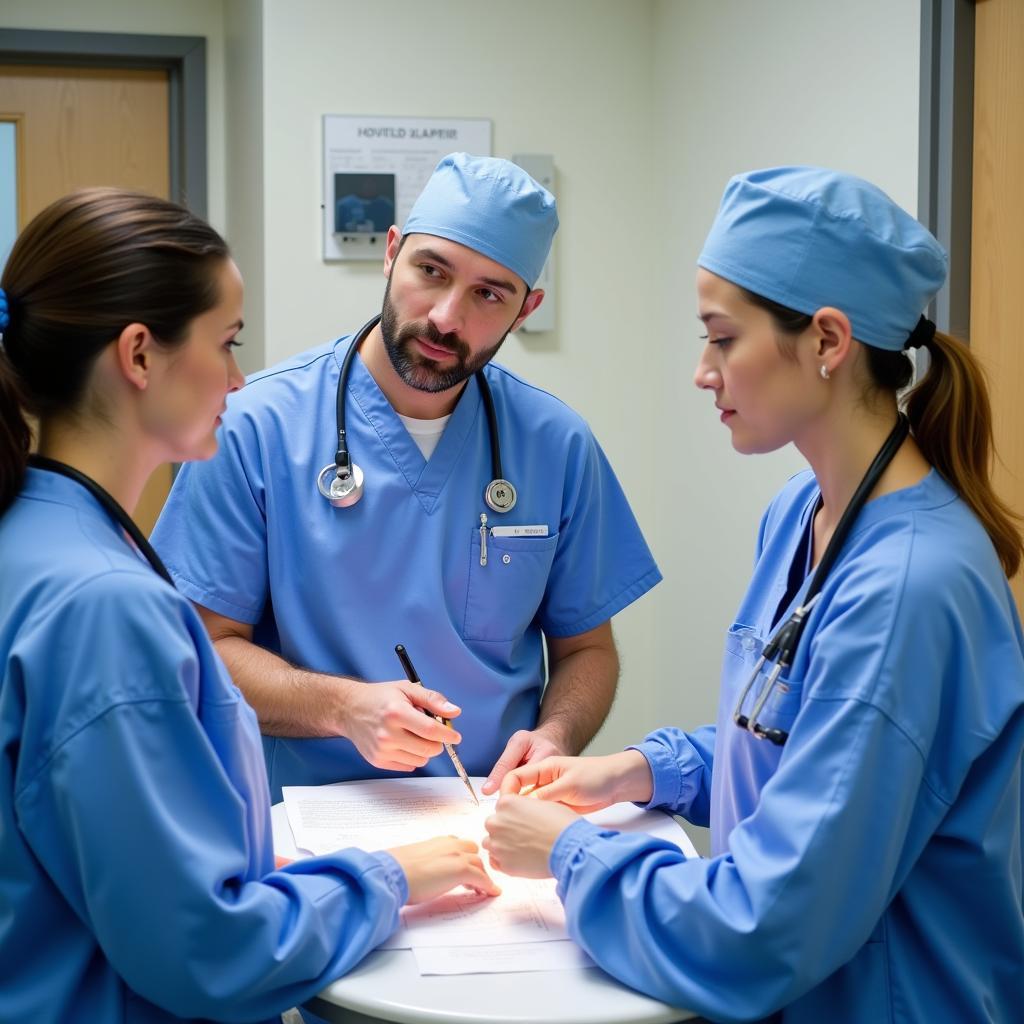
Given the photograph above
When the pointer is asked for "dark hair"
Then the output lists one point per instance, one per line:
(951, 417)
(82, 270)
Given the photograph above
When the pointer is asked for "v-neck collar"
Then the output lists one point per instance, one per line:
(799, 572)
(426, 479)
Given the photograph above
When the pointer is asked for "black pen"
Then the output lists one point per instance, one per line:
(410, 672)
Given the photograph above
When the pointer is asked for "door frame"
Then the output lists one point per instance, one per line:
(182, 57)
(946, 151)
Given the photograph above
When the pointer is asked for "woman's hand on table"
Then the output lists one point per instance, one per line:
(585, 784)
(521, 833)
(434, 866)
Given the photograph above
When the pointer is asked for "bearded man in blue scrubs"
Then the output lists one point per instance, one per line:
(306, 601)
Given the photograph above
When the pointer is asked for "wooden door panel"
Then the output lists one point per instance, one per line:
(90, 126)
(997, 242)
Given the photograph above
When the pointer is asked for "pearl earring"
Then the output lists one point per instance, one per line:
(824, 372)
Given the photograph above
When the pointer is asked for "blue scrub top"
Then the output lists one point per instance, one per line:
(249, 536)
(870, 869)
(137, 877)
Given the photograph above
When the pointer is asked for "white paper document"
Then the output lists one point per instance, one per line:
(381, 814)
(526, 911)
(482, 934)
(377, 815)
(520, 956)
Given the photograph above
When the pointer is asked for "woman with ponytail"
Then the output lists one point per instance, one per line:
(863, 788)
(137, 876)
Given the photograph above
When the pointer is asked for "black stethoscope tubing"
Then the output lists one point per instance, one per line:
(492, 424)
(781, 648)
(342, 458)
(110, 506)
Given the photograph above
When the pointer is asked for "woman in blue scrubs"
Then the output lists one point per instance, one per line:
(137, 876)
(866, 809)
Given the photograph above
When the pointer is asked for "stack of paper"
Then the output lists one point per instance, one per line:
(523, 929)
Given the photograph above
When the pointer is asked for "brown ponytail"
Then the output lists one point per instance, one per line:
(951, 416)
(15, 435)
(83, 269)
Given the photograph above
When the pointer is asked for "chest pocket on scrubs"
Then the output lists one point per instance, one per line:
(743, 647)
(502, 597)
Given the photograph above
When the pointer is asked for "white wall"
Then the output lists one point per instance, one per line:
(244, 148)
(743, 84)
(572, 78)
(648, 106)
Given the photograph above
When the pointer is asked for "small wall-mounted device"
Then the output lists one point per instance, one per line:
(375, 167)
(541, 167)
(364, 209)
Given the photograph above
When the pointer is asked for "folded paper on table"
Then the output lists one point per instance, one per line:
(460, 926)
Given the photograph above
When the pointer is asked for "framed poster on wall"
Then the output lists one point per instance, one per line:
(375, 167)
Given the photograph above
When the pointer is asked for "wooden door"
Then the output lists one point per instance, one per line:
(90, 126)
(997, 242)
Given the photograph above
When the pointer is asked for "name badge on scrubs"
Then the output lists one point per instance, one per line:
(519, 531)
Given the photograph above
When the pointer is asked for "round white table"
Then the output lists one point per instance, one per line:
(387, 986)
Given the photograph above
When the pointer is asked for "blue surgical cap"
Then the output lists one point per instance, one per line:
(806, 237)
(492, 206)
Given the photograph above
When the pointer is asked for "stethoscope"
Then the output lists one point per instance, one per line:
(110, 506)
(345, 486)
(781, 649)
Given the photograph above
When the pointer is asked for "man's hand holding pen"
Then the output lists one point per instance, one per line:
(413, 676)
(398, 725)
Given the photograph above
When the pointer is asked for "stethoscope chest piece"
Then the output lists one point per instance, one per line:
(341, 482)
(500, 495)
(340, 491)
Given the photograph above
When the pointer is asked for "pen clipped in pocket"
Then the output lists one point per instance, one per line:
(503, 595)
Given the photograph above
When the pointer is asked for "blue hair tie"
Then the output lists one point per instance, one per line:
(5, 316)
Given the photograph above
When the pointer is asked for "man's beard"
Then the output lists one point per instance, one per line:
(419, 371)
